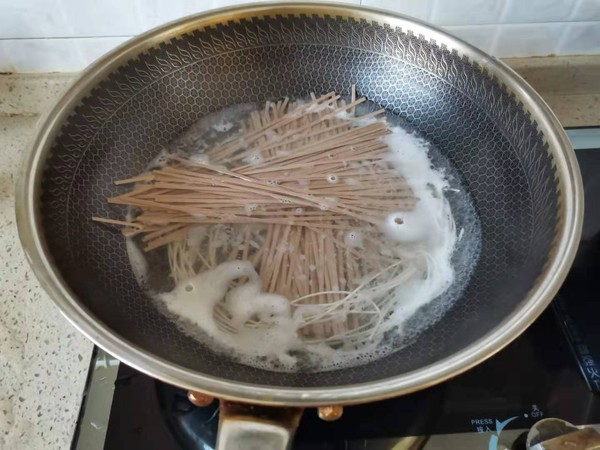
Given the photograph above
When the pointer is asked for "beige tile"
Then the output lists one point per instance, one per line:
(28, 94)
(43, 359)
(570, 85)
(578, 110)
(562, 74)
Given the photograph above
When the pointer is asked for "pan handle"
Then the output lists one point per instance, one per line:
(253, 427)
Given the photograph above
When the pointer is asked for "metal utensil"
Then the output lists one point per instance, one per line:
(556, 434)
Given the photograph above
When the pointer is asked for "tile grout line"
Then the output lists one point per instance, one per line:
(65, 38)
(429, 19)
(494, 44)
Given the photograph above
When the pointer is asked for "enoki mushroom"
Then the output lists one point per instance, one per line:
(301, 193)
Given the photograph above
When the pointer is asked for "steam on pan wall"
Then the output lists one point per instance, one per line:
(66, 35)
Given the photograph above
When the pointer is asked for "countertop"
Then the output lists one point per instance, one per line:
(44, 361)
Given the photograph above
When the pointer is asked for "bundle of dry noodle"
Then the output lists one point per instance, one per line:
(299, 192)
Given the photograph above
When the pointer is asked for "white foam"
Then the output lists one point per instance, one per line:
(138, 262)
(200, 158)
(345, 115)
(223, 127)
(196, 236)
(195, 299)
(431, 218)
(429, 230)
(254, 159)
(160, 161)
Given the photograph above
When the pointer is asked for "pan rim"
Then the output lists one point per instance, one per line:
(30, 231)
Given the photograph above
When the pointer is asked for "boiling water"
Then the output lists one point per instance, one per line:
(441, 234)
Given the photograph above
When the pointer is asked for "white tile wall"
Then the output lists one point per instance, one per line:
(468, 12)
(32, 18)
(5, 63)
(527, 39)
(102, 18)
(581, 38)
(421, 9)
(93, 48)
(60, 35)
(528, 11)
(586, 10)
(33, 55)
(482, 36)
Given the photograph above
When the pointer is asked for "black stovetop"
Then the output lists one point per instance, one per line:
(538, 375)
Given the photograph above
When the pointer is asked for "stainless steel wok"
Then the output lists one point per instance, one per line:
(508, 147)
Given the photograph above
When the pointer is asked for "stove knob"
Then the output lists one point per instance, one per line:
(330, 413)
(199, 399)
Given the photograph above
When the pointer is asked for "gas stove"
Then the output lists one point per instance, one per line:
(552, 370)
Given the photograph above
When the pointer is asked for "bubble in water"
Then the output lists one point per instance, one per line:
(254, 158)
(200, 159)
(332, 178)
(250, 209)
(411, 226)
(354, 238)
